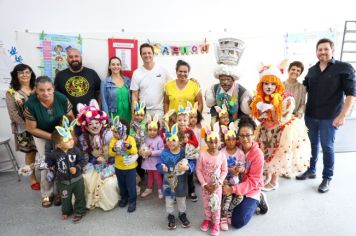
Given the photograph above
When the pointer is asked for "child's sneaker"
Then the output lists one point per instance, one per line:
(171, 222)
(184, 220)
(215, 230)
(160, 194)
(205, 225)
(193, 197)
(263, 205)
(223, 224)
(147, 192)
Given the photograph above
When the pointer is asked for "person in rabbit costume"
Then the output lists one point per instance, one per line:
(211, 172)
(101, 188)
(283, 138)
(174, 166)
(68, 162)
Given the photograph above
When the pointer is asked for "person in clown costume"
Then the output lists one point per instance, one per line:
(282, 138)
(101, 188)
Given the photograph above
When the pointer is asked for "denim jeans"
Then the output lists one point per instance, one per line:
(322, 131)
(243, 212)
(127, 184)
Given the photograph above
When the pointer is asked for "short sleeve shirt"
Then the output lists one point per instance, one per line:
(178, 96)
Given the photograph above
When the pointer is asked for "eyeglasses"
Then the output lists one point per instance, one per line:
(245, 135)
(25, 72)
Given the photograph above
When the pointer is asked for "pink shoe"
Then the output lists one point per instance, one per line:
(223, 224)
(205, 225)
(215, 229)
(147, 192)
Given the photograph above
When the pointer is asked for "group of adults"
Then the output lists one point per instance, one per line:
(326, 84)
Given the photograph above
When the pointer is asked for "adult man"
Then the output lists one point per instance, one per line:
(148, 81)
(228, 92)
(326, 82)
(78, 83)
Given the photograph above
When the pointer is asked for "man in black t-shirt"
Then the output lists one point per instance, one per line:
(78, 83)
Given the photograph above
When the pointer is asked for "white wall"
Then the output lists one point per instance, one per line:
(260, 23)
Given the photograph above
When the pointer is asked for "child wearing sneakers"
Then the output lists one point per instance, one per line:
(68, 162)
(175, 166)
(190, 144)
(235, 165)
(211, 172)
(151, 150)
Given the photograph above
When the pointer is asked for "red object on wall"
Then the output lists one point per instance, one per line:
(127, 51)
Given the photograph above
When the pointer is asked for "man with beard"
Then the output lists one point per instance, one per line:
(80, 84)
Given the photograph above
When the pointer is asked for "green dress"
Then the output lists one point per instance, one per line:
(123, 104)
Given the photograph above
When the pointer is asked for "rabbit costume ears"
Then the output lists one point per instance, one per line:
(172, 135)
(118, 127)
(212, 133)
(90, 112)
(153, 124)
(139, 108)
(272, 70)
(182, 110)
(193, 109)
(229, 132)
(66, 128)
(221, 110)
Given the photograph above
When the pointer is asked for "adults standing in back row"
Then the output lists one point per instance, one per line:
(78, 83)
(148, 81)
(327, 82)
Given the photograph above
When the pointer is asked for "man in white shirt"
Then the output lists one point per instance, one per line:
(148, 81)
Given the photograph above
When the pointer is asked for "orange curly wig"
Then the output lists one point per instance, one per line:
(275, 98)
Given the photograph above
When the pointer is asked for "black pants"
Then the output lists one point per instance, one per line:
(191, 186)
(67, 190)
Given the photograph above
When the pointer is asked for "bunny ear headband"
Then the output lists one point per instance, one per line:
(182, 110)
(66, 128)
(90, 112)
(119, 127)
(193, 109)
(273, 70)
(139, 108)
(221, 110)
(212, 134)
(229, 132)
(168, 114)
(153, 124)
(173, 134)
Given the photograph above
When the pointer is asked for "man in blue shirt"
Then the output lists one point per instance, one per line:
(327, 82)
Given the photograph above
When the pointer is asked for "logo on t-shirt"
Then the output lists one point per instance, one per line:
(77, 86)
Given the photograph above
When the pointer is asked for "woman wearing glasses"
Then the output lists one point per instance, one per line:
(21, 87)
(43, 111)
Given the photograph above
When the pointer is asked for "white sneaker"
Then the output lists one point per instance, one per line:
(160, 194)
(147, 192)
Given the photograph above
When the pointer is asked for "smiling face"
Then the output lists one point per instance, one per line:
(147, 55)
(182, 73)
(45, 92)
(24, 76)
(269, 88)
(294, 72)
(74, 59)
(246, 137)
(94, 127)
(115, 66)
(224, 119)
(324, 52)
(182, 121)
(226, 82)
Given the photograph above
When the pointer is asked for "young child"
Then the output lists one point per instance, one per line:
(169, 119)
(68, 162)
(123, 148)
(211, 172)
(138, 131)
(223, 116)
(190, 144)
(195, 119)
(175, 166)
(235, 165)
(151, 151)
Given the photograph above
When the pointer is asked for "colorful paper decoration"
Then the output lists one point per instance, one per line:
(175, 50)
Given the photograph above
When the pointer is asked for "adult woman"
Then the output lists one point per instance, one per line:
(252, 180)
(298, 90)
(21, 87)
(180, 91)
(43, 111)
(115, 92)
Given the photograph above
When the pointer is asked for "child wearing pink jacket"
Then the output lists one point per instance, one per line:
(211, 171)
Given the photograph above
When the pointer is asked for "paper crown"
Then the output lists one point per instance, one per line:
(152, 123)
(139, 108)
(229, 132)
(66, 128)
(212, 133)
(229, 51)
